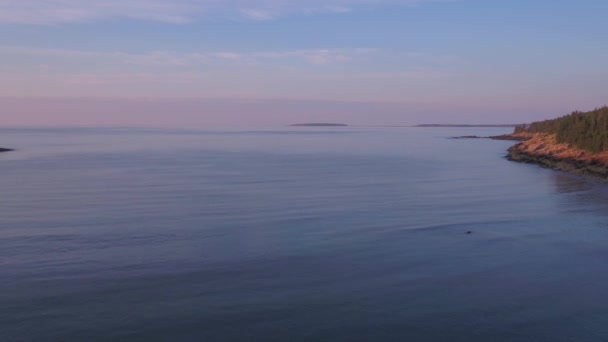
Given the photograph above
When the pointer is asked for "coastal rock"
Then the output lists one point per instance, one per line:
(542, 149)
(514, 137)
(467, 137)
(319, 124)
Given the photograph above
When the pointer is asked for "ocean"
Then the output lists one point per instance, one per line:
(294, 234)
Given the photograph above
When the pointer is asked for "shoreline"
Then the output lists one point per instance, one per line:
(542, 149)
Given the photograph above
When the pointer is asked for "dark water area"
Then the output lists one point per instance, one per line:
(309, 234)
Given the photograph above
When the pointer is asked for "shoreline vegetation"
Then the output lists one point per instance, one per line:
(576, 143)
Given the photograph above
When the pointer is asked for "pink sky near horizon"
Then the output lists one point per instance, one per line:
(201, 113)
(206, 63)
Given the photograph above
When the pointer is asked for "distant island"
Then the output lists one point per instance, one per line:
(458, 125)
(319, 124)
(5, 149)
(575, 143)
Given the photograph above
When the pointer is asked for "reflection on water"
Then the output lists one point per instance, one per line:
(580, 194)
(567, 183)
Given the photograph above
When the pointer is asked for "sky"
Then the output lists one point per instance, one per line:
(199, 63)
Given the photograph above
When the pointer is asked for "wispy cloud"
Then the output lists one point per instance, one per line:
(75, 11)
(318, 56)
(171, 11)
(342, 73)
(165, 58)
(258, 14)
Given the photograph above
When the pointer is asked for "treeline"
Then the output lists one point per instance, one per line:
(587, 130)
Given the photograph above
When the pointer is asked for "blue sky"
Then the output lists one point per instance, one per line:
(222, 62)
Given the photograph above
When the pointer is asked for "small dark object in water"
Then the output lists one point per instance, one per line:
(469, 232)
(5, 149)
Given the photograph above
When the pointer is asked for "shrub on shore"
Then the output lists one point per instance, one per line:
(586, 130)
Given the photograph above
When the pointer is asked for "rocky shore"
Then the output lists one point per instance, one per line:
(542, 149)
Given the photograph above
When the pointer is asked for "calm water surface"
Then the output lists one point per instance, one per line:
(348, 234)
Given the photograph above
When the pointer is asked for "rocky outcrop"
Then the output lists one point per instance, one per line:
(5, 149)
(468, 137)
(319, 124)
(543, 149)
(514, 137)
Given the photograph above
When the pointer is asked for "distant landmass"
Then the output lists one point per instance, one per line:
(5, 149)
(319, 124)
(458, 125)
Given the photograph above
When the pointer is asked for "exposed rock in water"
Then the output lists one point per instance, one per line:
(5, 149)
(514, 137)
(319, 124)
(467, 137)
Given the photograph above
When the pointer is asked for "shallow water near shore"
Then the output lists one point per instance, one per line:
(295, 234)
